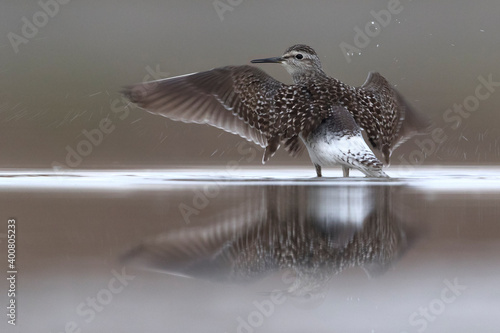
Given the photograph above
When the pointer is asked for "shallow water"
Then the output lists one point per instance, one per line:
(255, 251)
(145, 244)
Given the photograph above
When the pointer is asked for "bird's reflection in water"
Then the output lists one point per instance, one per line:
(313, 231)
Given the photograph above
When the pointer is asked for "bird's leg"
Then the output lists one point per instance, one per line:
(345, 171)
(318, 169)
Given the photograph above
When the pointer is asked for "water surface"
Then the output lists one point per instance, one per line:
(166, 250)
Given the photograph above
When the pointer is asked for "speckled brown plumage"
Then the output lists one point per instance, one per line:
(305, 229)
(246, 101)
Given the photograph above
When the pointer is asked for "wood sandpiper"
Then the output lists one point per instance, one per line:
(327, 115)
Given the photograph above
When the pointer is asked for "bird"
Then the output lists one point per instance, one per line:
(319, 112)
(315, 232)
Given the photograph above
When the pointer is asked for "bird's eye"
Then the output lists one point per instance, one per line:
(299, 56)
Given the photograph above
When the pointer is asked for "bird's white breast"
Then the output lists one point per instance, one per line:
(337, 150)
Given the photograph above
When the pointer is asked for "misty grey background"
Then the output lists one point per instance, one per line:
(65, 79)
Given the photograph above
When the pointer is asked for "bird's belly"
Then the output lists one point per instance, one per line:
(337, 150)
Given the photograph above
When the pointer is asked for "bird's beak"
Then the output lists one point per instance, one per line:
(275, 60)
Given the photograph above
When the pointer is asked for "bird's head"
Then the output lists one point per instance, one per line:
(301, 61)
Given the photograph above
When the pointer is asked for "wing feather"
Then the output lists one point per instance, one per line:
(392, 118)
(237, 99)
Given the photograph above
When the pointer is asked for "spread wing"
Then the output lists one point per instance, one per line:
(391, 119)
(242, 100)
(376, 83)
(237, 99)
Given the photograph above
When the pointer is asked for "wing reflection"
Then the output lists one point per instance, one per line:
(316, 231)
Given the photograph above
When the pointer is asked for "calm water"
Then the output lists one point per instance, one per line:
(259, 249)
(255, 251)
